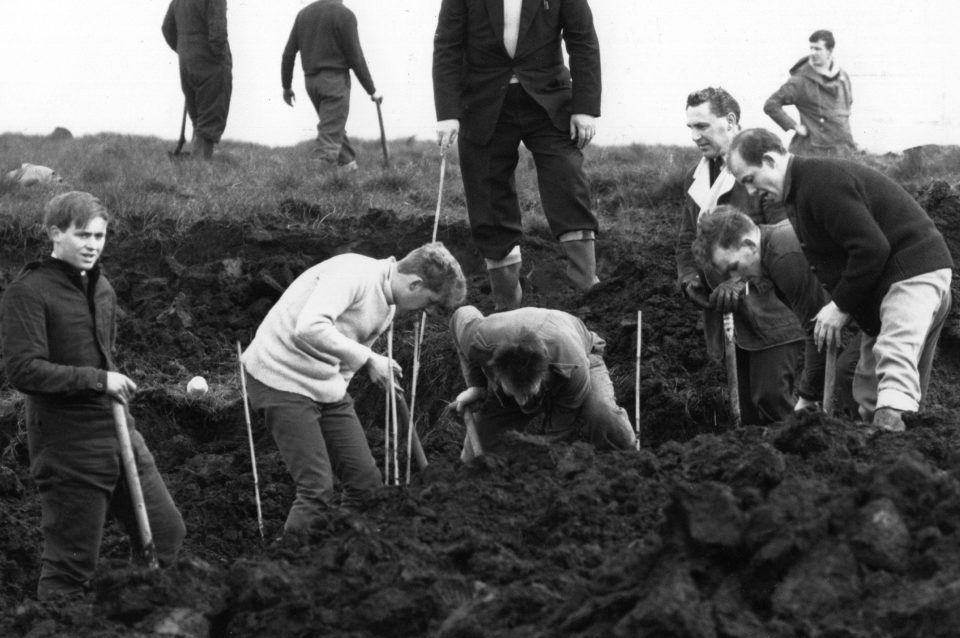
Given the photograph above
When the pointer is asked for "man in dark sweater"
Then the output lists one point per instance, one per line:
(325, 34)
(197, 31)
(57, 332)
(879, 255)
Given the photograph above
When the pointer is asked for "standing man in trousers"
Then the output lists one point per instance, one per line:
(58, 332)
(499, 79)
(197, 31)
(325, 34)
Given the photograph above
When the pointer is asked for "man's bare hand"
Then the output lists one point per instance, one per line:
(829, 325)
(469, 397)
(289, 97)
(801, 130)
(447, 131)
(120, 386)
(582, 128)
(379, 368)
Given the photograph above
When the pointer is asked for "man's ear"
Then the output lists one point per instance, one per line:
(416, 283)
(748, 242)
(731, 119)
(769, 160)
(54, 233)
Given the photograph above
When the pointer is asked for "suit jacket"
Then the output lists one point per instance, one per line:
(472, 69)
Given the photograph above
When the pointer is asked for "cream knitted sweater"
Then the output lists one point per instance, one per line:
(319, 332)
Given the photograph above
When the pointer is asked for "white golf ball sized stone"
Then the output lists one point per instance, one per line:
(197, 386)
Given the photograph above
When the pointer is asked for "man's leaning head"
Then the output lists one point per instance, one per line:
(728, 243)
(439, 272)
(521, 366)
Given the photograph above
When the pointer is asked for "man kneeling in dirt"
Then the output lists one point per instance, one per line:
(309, 346)
(58, 322)
(531, 361)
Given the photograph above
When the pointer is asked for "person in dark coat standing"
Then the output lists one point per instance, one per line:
(878, 253)
(768, 336)
(197, 31)
(57, 334)
(820, 91)
(325, 35)
(499, 79)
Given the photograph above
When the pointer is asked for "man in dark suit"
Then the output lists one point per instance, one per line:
(499, 79)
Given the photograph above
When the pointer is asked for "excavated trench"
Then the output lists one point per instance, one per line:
(809, 527)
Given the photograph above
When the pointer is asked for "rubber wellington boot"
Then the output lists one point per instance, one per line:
(505, 287)
(581, 263)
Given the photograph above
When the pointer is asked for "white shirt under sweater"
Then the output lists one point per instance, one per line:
(319, 332)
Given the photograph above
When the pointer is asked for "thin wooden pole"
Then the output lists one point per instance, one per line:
(731, 351)
(393, 408)
(133, 483)
(421, 326)
(830, 379)
(253, 455)
(636, 405)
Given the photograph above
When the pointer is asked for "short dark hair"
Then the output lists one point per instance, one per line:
(720, 101)
(826, 36)
(439, 270)
(75, 207)
(724, 227)
(752, 143)
(522, 362)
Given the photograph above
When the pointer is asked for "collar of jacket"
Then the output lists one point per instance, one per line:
(73, 274)
(705, 194)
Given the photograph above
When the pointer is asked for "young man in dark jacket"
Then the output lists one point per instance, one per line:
(878, 253)
(820, 91)
(325, 35)
(57, 333)
(197, 31)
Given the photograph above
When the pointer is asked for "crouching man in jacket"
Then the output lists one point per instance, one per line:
(530, 361)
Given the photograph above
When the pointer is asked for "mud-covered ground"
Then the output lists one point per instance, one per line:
(813, 527)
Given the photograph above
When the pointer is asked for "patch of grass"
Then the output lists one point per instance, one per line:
(635, 188)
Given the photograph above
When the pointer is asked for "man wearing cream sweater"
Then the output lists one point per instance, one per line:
(309, 346)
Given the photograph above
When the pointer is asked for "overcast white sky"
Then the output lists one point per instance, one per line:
(103, 66)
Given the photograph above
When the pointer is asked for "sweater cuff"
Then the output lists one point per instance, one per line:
(101, 381)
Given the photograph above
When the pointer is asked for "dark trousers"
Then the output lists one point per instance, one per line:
(207, 86)
(490, 186)
(80, 483)
(317, 442)
(765, 379)
(329, 91)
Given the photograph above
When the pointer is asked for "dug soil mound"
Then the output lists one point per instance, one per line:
(814, 526)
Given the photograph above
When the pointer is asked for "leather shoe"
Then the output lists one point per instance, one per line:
(889, 419)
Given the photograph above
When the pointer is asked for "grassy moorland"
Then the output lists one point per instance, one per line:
(634, 186)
